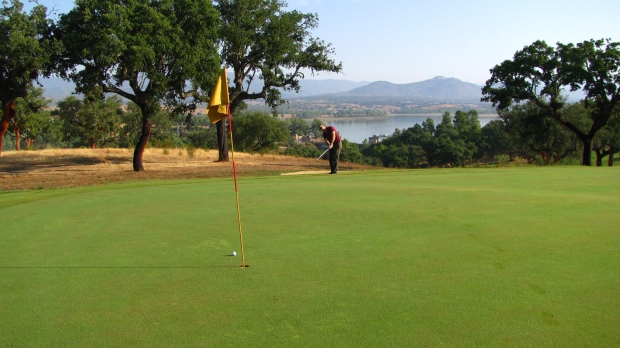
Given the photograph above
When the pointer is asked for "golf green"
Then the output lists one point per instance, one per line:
(507, 257)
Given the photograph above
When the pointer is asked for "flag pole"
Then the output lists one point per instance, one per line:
(232, 151)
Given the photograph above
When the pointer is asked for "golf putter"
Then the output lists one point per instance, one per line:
(322, 154)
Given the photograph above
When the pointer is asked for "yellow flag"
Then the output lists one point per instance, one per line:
(218, 104)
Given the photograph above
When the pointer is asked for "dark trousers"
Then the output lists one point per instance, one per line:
(334, 155)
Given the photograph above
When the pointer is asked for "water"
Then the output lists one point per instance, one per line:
(356, 130)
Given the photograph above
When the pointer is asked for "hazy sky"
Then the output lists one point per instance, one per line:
(405, 41)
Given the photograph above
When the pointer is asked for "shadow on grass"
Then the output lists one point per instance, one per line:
(26, 164)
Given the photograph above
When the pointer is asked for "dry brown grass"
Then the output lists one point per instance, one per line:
(58, 168)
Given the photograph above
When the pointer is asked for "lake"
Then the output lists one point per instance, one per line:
(357, 129)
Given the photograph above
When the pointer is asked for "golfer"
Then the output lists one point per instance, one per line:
(332, 138)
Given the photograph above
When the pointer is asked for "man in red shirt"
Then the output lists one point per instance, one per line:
(332, 138)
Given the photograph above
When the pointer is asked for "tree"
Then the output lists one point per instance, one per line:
(260, 40)
(92, 122)
(467, 125)
(350, 152)
(607, 142)
(149, 52)
(539, 74)
(29, 121)
(541, 136)
(595, 68)
(452, 147)
(314, 128)
(258, 132)
(298, 126)
(27, 45)
(162, 132)
(495, 140)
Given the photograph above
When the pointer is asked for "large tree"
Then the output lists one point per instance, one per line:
(541, 74)
(149, 52)
(27, 46)
(260, 40)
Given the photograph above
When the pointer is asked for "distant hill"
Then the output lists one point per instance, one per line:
(56, 88)
(436, 89)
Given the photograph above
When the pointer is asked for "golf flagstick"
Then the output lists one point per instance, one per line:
(232, 151)
(322, 154)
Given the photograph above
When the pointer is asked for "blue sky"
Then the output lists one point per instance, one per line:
(405, 41)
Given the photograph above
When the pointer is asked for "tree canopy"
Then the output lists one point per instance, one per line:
(260, 40)
(148, 52)
(540, 74)
(27, 50)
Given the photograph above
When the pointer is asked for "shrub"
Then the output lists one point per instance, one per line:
(502, 160)
(191, 151)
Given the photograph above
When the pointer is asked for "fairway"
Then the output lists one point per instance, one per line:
(507, 257)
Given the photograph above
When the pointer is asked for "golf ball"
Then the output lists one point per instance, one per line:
(234, 254)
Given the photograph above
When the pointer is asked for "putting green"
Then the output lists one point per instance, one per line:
(452, 257)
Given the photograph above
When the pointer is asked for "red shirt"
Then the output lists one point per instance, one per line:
(327, 134)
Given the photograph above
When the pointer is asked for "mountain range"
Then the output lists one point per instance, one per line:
(440, 89)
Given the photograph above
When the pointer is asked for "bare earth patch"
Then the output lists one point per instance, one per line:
(59, 168)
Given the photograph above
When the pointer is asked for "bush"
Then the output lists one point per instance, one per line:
(191, 151)
(204, 138)
(502, 160)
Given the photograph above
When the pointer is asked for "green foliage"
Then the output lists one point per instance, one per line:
(494, 139)
(204, 138)
(258, 132)
(165, 51)
(314, 127)
(297, 126)
(350, 152)
(92, 122)
(303, 150)
(607, 141)
(260, 39)
(539, 73)
(162, 132)
(451, 143)
(27, 48)
(30, 119)
(502, 160)
(542, 138)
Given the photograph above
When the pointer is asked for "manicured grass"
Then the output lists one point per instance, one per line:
(511, 257)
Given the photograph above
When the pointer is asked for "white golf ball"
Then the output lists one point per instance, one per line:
(234, 254)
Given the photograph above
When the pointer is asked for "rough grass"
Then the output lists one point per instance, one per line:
(461, 258)
(63, 168)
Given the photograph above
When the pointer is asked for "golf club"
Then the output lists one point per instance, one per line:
(322, 154)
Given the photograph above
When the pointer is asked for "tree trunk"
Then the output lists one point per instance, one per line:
(144, 139)
(18, 146)
(586, 159)
(8, 112)
(610, 160)
(28, 142)
(222, 141)
(599, 157)
(92, 142)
